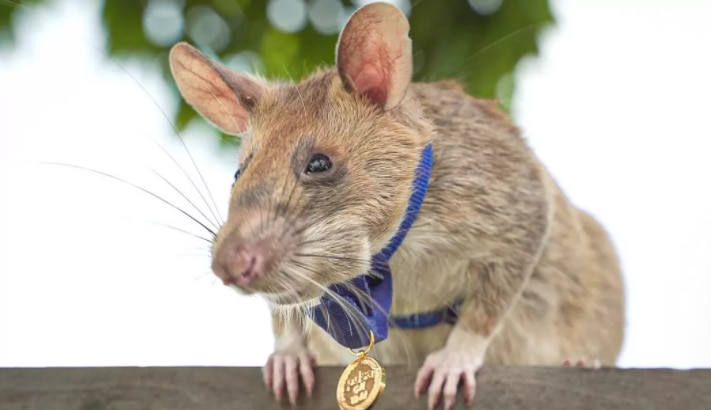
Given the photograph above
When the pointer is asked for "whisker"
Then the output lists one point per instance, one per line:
(288, 202)
(301, 97)
(140, 188)
(366, 300)
(180, 138)
(353, 316)
(175, 228)
(494, 44)
(99, 48)
(286, 206)
(217, 219)
(339, 258)
(301, 244)
(186, 198)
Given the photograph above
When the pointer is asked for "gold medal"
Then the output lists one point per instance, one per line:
(361, 382)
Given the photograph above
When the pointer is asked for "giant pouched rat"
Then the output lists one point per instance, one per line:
(326, 175)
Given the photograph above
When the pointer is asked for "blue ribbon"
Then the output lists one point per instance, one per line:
(370, 306)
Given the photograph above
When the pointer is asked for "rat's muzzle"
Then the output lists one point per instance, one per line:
(248, 249)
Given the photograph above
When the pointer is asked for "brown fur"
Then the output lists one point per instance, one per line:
(540, 278)
(496, 228)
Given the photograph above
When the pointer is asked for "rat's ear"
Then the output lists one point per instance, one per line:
(374, 54)
(223, 96)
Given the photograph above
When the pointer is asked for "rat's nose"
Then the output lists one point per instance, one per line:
(248, 249)
(239, 264)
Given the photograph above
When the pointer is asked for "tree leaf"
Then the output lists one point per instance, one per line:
(478, 42)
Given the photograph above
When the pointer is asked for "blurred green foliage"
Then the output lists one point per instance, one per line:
(9, 10)
(477, 41)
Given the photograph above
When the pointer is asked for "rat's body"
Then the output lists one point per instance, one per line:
(571, 306)
(326, 172)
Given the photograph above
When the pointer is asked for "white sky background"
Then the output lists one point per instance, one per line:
(616, 106)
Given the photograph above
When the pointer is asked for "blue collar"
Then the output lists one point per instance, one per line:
(370, 307)
(448, 314)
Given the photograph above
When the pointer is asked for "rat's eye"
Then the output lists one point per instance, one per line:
(318, 163)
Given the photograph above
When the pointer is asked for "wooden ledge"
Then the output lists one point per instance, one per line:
(513, 388)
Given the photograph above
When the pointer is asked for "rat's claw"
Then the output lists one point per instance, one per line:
(592, 364)
(291, 373)
(435, 390)
(579, 363)
(443, 370)
(450, 389)
(283, 371)
(268, 373)
(423, 379)
(306, 368)
(278, 382)
(469, 388)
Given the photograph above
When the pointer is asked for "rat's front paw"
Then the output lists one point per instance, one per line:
(285, 368)
(442, 371)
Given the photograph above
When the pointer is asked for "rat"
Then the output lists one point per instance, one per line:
(325, 178)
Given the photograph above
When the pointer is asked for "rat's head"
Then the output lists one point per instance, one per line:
(326, 165)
